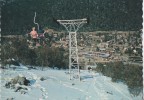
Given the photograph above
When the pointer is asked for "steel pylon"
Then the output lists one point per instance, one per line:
(72, 26)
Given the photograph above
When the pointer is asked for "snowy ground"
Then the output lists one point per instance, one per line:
(57, 86)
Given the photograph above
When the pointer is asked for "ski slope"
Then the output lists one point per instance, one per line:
(57, 86)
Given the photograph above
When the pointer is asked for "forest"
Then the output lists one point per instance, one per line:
(44, 56)
(17, 15)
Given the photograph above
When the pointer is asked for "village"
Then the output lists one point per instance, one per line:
(97, 47)
(103, 46)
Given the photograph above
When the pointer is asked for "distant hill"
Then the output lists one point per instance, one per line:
(17, 16)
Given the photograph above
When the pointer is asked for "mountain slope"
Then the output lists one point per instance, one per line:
(17, 16)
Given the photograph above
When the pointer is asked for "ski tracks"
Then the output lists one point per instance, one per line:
(103, 95)
(68, 85)
(37, 85)
(119, 90)
(99, 89)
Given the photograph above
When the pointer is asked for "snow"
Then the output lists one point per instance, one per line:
(57, 86)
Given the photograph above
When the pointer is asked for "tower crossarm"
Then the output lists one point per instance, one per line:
(72, 25)
(84, 20)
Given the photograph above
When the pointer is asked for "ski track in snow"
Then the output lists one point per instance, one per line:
(112, 85)
(102, 94)
(119, 90)
(44, 92)
(98, 87)
(72, 87)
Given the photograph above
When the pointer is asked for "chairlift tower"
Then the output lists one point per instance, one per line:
(72, 26)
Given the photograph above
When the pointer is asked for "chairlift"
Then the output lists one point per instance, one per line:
(44, 38)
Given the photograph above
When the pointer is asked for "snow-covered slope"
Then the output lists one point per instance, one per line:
(57, 86)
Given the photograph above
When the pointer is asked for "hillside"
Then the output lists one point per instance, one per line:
(17, 15)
